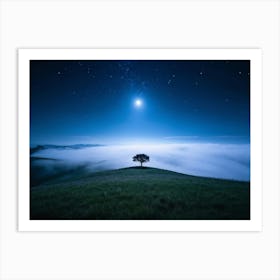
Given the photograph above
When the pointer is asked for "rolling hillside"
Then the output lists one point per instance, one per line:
(140, 194)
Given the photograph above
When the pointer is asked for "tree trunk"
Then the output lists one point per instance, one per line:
(141, 164)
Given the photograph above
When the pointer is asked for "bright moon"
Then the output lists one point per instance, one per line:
(138, 103)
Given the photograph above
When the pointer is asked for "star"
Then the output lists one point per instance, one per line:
(201, 73)
(239, 72)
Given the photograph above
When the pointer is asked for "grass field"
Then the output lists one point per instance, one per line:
(142, 194)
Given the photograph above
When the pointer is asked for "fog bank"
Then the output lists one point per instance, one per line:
(227, 161)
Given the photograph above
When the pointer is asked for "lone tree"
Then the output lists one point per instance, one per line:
(141, 158)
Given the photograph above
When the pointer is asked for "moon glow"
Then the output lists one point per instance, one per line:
(138, 103)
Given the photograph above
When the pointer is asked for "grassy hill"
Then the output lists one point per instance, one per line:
(140, 193)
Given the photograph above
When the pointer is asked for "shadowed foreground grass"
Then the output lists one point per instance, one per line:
(135, 193)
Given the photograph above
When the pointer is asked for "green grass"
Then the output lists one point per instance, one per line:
(141, 194)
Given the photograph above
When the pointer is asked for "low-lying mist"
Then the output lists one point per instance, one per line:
(227, 161)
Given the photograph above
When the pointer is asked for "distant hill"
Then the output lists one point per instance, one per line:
(62, 147)
(142, 194)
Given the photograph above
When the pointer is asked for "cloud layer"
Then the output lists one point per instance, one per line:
(229, 161)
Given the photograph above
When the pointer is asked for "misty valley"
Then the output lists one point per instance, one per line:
(103, 182)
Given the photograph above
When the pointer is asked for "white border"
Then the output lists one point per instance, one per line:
(254, 55)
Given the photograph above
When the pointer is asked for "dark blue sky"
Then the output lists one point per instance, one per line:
(94, 101)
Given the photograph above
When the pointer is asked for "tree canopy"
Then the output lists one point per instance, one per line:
(141, 158)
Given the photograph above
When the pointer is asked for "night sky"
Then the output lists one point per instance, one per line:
(121, 102)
